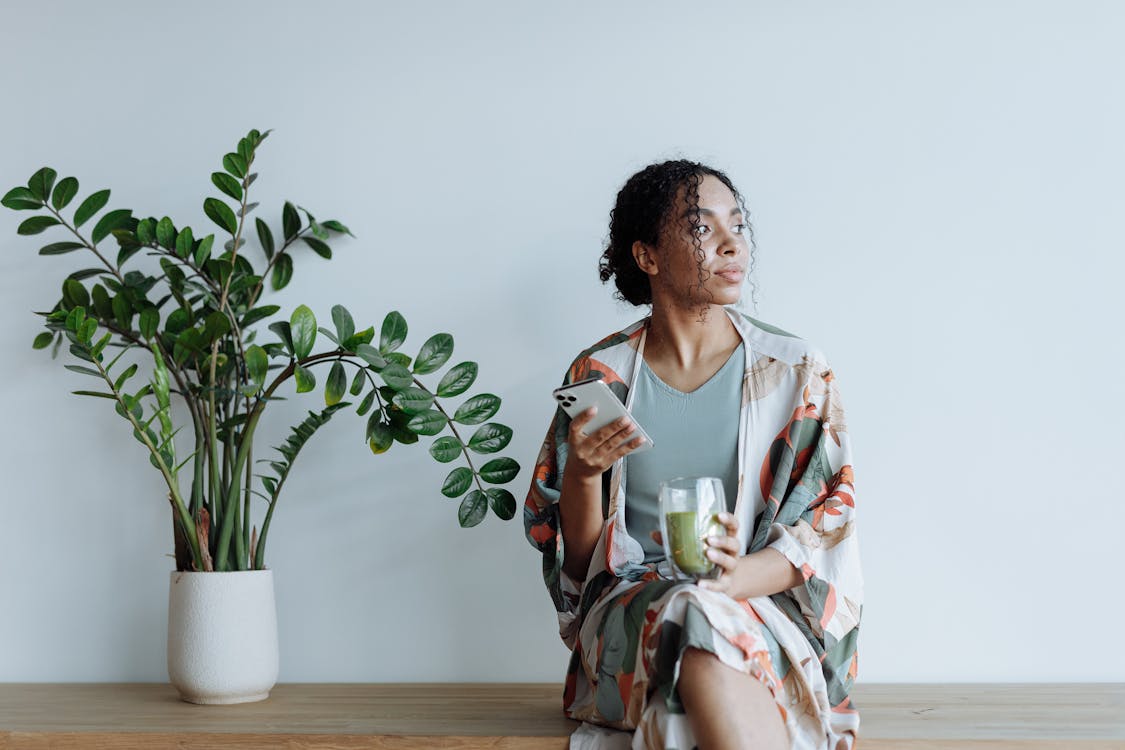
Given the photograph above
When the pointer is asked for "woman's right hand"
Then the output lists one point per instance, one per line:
(591, 454)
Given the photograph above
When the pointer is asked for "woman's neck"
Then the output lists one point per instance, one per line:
(681, 339)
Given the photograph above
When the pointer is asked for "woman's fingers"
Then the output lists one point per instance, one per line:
(730, 522)
(728, 544)
(581, 421)
(727, 562)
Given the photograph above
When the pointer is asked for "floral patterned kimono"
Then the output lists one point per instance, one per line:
(628, 627)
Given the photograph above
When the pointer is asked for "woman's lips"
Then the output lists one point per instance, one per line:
(734, 276)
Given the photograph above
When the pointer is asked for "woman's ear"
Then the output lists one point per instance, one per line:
(645, 257)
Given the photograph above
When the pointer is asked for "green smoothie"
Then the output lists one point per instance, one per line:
(687, 531)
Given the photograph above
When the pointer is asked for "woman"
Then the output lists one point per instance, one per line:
(764, 656)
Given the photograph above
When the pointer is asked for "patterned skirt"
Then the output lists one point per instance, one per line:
(626, 664)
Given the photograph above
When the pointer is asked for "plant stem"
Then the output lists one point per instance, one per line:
(258, 289)
(464, 445)
(166, 471)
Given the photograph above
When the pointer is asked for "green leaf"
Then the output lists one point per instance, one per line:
(220, 213)
(399, 358)
(371, 356)
(59, 248)
(94, 202)
(472, 510)
(477, 409)
(102, 303)
(86, 273)
(366, 404)
(235, 164)
(265, 237)
(257, 363)
(290, 221)
(458, 380)
(21, 199)
(427, 423)
(146, 231)
(434, 353)
(413, 400)
(358, 381)
(75, 293)
(37, 224)
(89, 328)
(445, 449)
(129, 372)
(203, 252)
(257, 314)
(43, 340)
(165, 234)
(345, 326)
(306, 381)
(499, 470)
(99, 394)
(396, 376)
(380, 436)
(215, 326)
(64, 193)
(282, 329)
(491, 438)
(393, 333)
(185, 243)
(282, 271)
(503, 502)
(336, 226)
(303, 326)
(402, 433)
(116, 219)
(328, 334)
(337, 382)
(320, 247)
(459, 480)
(363, 337)
(227, 184)
(75, 318)
(148, 322)
(41, 183)
(123, 312)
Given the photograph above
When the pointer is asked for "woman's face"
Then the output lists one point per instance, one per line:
(676, 274)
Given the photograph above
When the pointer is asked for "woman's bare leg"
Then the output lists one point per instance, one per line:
(727, 708)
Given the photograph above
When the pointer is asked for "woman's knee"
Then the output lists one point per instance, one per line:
(697, 662)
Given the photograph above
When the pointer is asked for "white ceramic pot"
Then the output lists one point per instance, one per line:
(222, 636)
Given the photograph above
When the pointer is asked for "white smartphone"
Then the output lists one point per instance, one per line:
(578, 397)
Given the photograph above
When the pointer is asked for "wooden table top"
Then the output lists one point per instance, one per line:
(514, 716)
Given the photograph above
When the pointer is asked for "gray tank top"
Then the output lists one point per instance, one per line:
(695, 435)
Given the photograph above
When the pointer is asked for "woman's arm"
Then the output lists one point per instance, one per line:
(580, 498)
(580, 516)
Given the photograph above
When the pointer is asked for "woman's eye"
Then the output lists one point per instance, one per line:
(701, 229)
(740, 228)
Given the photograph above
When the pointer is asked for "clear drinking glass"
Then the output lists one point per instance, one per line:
(689, 513)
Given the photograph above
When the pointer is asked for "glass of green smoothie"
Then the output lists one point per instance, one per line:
(689, 513)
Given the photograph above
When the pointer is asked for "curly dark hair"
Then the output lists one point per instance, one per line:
(644, 210)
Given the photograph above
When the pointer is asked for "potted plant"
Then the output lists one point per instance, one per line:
(189, 319)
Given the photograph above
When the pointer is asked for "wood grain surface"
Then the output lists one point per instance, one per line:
(505, 716)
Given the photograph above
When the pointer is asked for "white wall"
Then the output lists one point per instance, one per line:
(937, 193)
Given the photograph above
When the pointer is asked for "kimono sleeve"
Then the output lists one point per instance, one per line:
(810, 477)
(541, 523)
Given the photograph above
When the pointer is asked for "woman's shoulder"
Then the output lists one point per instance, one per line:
(772, 341)
(608, 358)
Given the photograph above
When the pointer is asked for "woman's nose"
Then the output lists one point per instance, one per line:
(729, 244)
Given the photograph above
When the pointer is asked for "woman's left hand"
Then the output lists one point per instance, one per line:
(724, 551)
